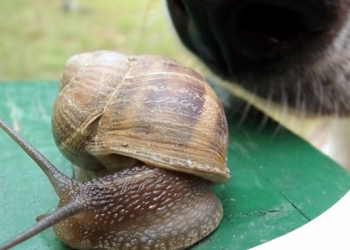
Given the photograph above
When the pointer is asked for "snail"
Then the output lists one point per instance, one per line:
(151, 135)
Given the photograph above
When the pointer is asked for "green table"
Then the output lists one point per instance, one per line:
(278, 181)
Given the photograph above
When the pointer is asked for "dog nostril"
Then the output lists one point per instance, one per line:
(268, 27)
(270, 21)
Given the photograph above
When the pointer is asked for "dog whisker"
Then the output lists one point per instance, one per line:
(263, 122)
(247, 108)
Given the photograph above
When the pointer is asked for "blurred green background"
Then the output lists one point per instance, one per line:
(37, 37)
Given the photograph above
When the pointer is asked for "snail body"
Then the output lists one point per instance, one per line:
(152, 134)
(142, 208)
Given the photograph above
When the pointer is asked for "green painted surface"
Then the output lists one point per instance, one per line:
(278, 181)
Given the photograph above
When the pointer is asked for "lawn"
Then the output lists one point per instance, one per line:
(37, 37)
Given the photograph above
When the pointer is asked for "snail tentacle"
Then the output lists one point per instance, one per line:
(44, 223)
(59, 181)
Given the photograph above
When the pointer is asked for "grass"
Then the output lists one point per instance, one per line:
(37, 37)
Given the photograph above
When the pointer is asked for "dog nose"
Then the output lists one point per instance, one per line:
(229, 33)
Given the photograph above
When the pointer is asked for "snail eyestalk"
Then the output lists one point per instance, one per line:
(59, 181)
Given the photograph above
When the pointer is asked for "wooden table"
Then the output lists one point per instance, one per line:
(278, 183)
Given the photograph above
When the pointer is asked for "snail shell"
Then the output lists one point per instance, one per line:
(113, 110)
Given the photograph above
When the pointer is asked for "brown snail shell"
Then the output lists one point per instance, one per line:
(113, 109)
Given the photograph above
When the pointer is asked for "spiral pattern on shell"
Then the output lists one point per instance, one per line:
(113, 110)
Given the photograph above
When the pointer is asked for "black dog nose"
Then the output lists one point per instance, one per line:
(236, 35)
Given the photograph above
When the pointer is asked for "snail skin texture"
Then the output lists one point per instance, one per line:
(151, 135)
